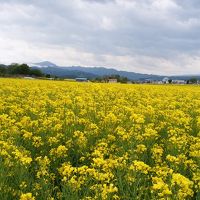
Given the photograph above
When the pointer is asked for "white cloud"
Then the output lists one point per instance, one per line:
(150, 36)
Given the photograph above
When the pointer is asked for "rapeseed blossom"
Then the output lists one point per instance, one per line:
(27, 196)
(65, 140)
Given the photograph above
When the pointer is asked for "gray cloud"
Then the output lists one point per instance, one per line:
(150, 36)
(100, 1)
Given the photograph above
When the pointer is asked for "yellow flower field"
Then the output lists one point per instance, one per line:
(66, 140)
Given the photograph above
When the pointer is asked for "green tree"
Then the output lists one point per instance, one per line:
(35, 72)
(22, 69)
(3, 69)
(123, 79)
(193, 80)
(48, 75)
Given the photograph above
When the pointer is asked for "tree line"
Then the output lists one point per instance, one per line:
(19, 70)
(120, 79)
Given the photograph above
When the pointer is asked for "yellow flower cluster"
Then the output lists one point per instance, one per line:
(67, 140)
(27, 196)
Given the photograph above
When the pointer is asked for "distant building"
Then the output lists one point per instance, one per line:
(165, 80)
(28, 77)
(112, 80)
(81, 79)
(179, 82)
(148, 80)
(159, 82)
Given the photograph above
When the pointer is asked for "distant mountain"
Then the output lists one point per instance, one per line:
(93, 72)
(43, 64)
(66, 73)
(184, 77)
(101, 71)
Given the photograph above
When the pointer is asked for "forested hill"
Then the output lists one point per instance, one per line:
(89, 72)
(93, 72)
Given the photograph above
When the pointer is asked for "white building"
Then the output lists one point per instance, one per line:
(112, 80)
(28, 77)
(165, 80)
(81, 80)
(159, 82)
(178, 81)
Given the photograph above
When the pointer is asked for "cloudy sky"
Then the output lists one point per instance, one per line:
(147, 36)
